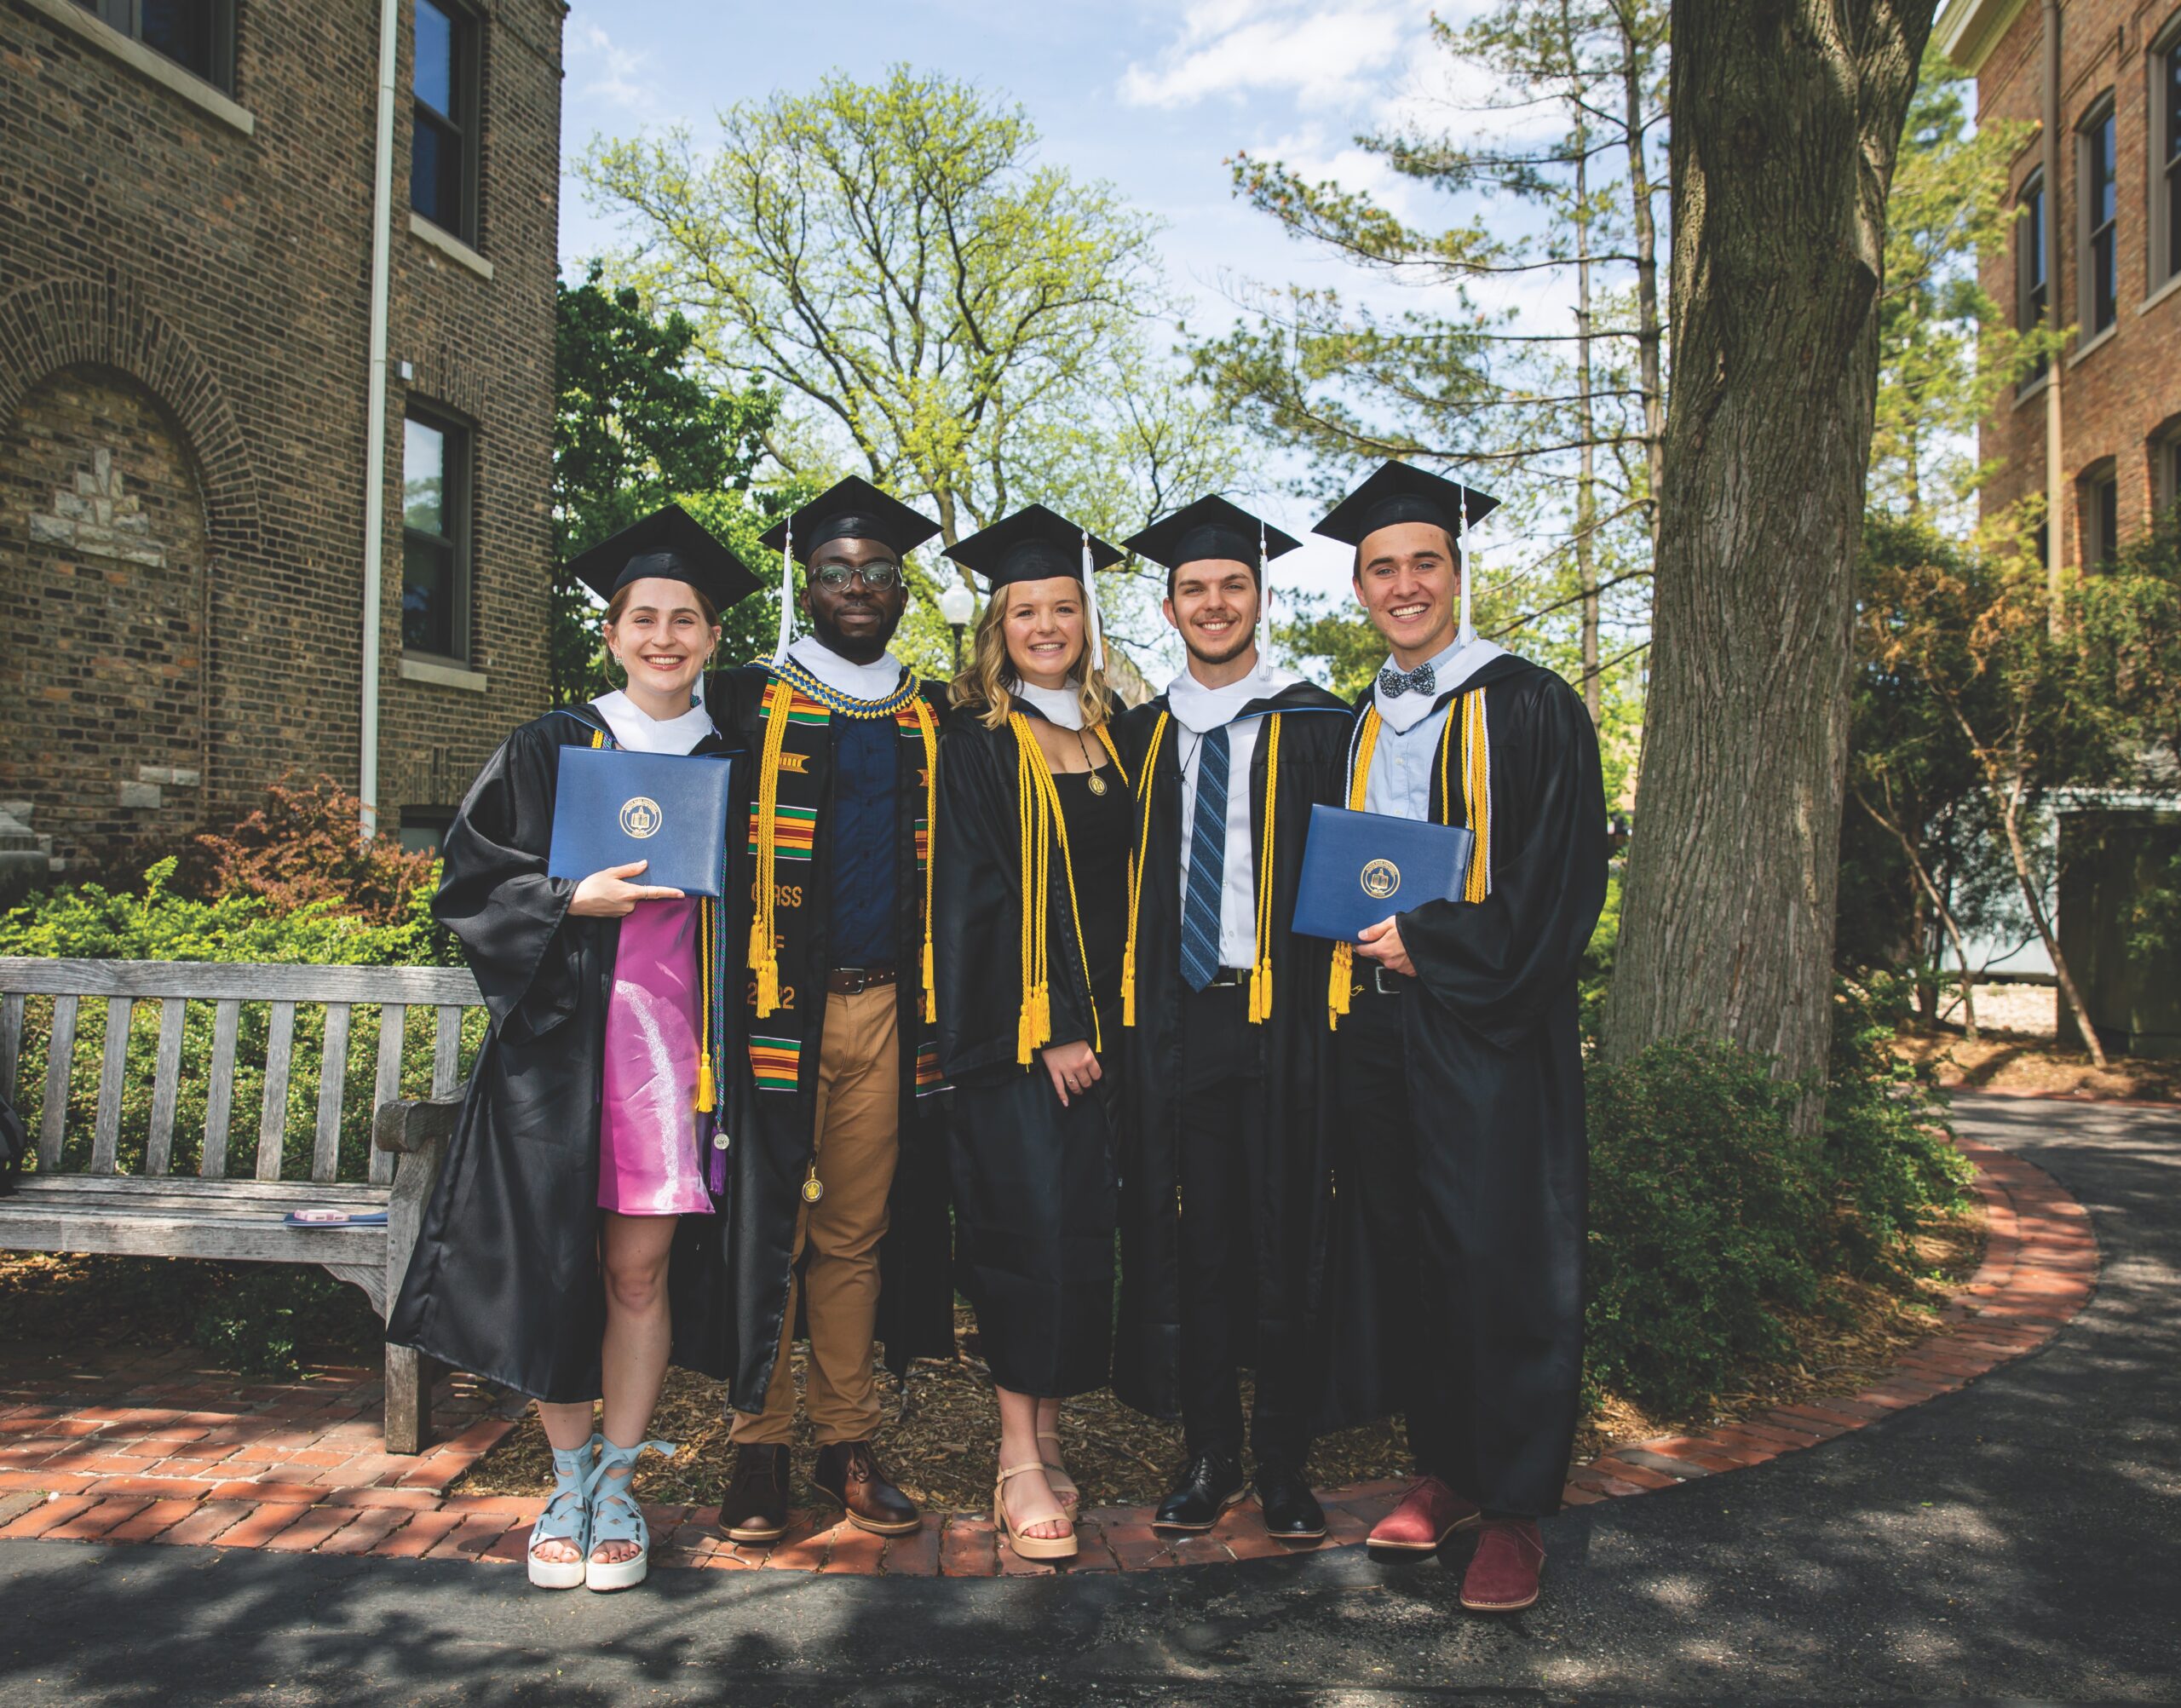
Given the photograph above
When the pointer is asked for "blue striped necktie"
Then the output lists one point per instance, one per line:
(1207, 863)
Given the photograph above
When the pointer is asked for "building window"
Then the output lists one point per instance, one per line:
(2166, 158)
(443, 145)
(2034, 292)
(197, 35)
(435, 538)
(2100, 498)
(424, 828)
(2101, 203)
(2165, 471)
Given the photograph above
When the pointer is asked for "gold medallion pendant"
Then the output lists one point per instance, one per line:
(812, 1188)
(1097, 784)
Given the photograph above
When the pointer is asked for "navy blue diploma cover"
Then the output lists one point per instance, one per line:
(1358, 868)
(611, 807)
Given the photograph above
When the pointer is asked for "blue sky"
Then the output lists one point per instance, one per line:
(1154, 97)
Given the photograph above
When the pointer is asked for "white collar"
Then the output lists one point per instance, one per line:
(639, 732)
(1199, 709)
(873, 681)
(1063, 706)
(1453, 667)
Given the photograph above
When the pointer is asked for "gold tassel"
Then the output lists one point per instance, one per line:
(931, 736)
(1136, 863)
(1337, 993)
(1261, 969)
(764, 946)
(707, 1089)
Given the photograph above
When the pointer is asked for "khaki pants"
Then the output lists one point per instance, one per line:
(837, 1239)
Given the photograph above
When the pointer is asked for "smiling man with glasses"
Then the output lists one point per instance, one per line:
(838, 1152)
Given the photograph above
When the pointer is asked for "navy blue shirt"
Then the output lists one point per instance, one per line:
(861, 925)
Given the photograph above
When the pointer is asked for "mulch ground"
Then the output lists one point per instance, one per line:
(2031, 1064)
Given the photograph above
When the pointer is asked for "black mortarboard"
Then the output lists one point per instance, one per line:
(851, 508)
(671, 542)
(1400, 493)
(1210, 528)
(1035, 544)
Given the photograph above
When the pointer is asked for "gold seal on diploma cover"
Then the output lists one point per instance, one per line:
(641, 817)
(1381, 878)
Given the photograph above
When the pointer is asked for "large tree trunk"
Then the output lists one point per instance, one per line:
(1786, 120)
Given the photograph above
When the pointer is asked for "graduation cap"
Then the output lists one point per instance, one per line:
(1036, 544)
(669, 543)
(850, 509)
(1213, 528)
(1398, 493)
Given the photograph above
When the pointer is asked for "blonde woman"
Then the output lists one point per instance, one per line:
(1029, 914)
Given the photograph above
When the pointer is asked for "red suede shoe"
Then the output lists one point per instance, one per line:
(1428, 1514)
(1503, 1575)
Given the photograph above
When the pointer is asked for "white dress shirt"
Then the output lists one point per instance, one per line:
(1198, 711)
(1409, 728)
(872, 682)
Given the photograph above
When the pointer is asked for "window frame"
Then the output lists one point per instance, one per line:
(2033, 298)
(457, 499)
(467, 129)
(2097, 503)
(126, 17)
(2099, 313)
(2162, 156)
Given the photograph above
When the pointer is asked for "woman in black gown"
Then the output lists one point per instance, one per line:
(1033, 808)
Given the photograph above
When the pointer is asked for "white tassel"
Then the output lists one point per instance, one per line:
(787, 594)
(1091, 604)
(1265, 605)
(1469, 569)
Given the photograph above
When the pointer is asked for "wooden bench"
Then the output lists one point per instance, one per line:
(78, 1199)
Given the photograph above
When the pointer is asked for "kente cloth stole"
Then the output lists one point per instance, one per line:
(797, 745)
(1468, 732)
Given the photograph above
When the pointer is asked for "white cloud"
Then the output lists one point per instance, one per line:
(608, 72)
(1323, 55)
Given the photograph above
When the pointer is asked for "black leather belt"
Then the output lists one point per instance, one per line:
(854, 981)
(1388, 982)
(1228, 978)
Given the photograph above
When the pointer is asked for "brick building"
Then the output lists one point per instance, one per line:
(187, 281)
(2098, 248)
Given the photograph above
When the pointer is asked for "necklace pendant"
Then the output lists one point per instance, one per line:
(813, 1189)
(1097, 784)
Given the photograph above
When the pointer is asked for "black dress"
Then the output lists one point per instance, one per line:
(1034, 1191)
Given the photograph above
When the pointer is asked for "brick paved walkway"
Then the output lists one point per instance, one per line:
(153, 1448)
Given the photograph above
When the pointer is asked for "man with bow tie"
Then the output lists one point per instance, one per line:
(1456, 1051)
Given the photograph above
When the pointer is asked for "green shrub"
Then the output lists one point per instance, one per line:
(1707, 1212)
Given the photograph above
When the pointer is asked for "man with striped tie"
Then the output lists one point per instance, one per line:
(1225, 1169)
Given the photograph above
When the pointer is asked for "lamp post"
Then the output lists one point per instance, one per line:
(957, 604)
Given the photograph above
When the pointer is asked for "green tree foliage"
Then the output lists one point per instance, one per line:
(964, 326)
(639, 423)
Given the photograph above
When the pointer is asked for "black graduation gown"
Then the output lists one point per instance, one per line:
(1495, 1081)
(1289, 1195)
(727, 1315)
(506, 1279)
(1033, 1182)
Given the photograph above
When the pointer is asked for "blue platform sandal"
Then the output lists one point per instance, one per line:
(566, 1518)
(616, 1517)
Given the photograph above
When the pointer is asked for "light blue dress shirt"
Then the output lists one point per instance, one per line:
(1401, 762)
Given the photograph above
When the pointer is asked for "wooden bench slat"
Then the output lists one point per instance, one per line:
(447, 1053)
(59, 1061)
(25, 1226)
(332, 1083)
(393, 1019)
(25, 975)
(166, 1088)
(106, 1130)
(11, 1043)
(272, 1117)
(220, 1089)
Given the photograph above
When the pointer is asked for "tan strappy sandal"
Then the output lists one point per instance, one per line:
(1029, 1547)
(1057, 1477)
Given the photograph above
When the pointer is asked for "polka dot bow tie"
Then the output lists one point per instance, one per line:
(1393, 683)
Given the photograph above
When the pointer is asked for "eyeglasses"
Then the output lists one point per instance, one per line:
(877, 577)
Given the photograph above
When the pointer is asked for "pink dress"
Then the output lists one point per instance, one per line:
(648, 1161)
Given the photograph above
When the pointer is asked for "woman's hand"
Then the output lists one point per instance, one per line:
(1382, 943)
(608, 894)
(1074, 1067)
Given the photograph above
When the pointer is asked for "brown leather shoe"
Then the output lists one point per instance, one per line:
(756, 1507)
(1425, 1517)
(849, 1472)
(1503, 1575)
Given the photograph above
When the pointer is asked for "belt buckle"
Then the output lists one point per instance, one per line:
(854, 983)
(1380, 974)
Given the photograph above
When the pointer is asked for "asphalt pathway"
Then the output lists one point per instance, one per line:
(2013, 1542)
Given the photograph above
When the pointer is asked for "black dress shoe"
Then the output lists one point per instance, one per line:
(850, 1472)
(1211, 1482)
(756, 1507)
(1292, 1512)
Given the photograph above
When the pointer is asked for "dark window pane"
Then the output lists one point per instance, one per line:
(434, 77)
(186, 30)
(435, 174)
(426, 595)
(2101, 171)
(2109, 521)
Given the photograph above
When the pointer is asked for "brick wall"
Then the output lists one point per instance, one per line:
(199, 297)
(2121, 396)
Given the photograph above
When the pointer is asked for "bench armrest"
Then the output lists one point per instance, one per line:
(405, 1128)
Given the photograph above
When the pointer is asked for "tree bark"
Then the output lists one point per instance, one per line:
(1929, 889)
(1786, 121)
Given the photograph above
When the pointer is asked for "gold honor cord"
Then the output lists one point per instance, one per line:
(1039, 816)
(1261, 969)
(1135, 867)
(764, 947)
(1358, 780)
(929, 734)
